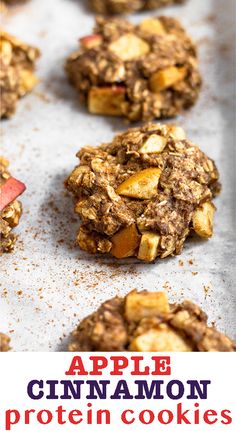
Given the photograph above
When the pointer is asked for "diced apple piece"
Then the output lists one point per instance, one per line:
(106, 100)
(177, 132)
(91, 41)
(4, 162)
(154, 144)
(6, 51)
(128, 47)
(152, 26)
(145, 304)
(161, 339)
(9, 191)
(125, 242)
(142, 185)
(27, 81)
(148, 248)
(166, 78)
(203, 220)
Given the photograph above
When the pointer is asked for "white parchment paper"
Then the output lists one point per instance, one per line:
(47, 285)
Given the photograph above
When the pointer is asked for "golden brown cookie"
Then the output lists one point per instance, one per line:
(146, 322)
(141, 72)
(144, 193)
(17, 63)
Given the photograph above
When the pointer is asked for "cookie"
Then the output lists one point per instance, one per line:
(10, 207)
(17, 63)
(140, 72)
(146, 322)
(144, 193)
(4, 343)
(108, 7)
(14, 1)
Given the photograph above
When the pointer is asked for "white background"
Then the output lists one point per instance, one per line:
(48, 285)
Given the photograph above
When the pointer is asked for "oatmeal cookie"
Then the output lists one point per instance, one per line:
(12, 2)
(4, 343)
(142, 194)
(108, 7)
(146, 322)
(17, 63)
(141, 72)
(10, 208)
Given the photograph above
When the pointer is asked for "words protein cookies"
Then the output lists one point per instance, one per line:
(144, 193)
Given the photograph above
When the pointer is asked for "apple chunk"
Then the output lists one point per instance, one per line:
(125, 242)
(139, 305)
(128, 47)
(106, 100)
(148, 248)
(6, 51)
(9, 191)
(165, 78)
(27, 81)
(203, 220)
(162, 339)
(177, 132)
(142, 185)
(91, 41)
(154, 144)
(152, 26)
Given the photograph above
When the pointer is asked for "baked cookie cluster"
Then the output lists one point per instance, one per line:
(141, 72)
(146, 322)
(17, 63)
(142, 194)
(4, 343)
(10, 207)
(108, 7)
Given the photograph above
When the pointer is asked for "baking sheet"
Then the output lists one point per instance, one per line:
(47, 285)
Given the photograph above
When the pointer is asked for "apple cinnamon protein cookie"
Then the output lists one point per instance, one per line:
(17, 63)
(141, 72)
(146, 322)
(142, 194)
(10, 208)
(4, 343)
(108, 7)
